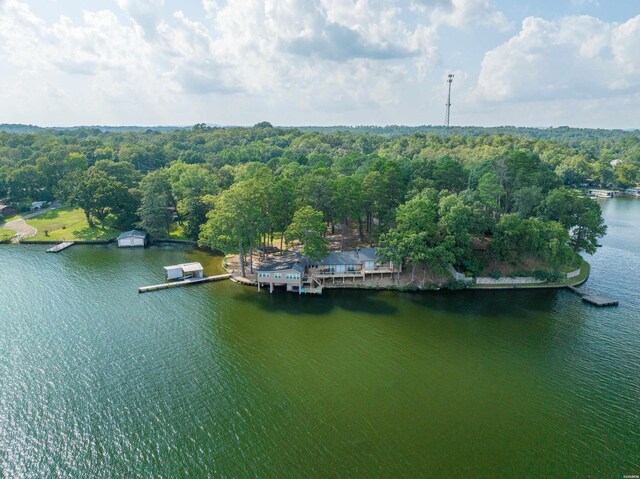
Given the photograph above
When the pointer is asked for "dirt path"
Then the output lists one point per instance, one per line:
(19, 225)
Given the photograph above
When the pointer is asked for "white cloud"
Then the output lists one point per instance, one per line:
(463, 13)
(298, 61)
(576, 57)
(314, 52)
(146, 13)
(70, 71)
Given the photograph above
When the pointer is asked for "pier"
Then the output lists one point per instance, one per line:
(60, 246)
(601, 301)
(185, 282)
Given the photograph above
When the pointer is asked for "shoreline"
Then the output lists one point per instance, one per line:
(243, 281)
(579, 280)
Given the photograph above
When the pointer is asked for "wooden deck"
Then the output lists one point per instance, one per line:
(60, 246)
(186, 282)
(596, 300)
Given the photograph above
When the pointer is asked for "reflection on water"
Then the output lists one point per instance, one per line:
(219, 380)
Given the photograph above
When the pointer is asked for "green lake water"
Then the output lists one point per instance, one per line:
(218, 380)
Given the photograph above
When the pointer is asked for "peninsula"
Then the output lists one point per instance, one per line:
(420, 208)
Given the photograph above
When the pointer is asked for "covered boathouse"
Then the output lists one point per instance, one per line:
(289, 273)
(184, 271)
(133, 238)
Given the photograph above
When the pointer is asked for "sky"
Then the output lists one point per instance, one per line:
(320, 62)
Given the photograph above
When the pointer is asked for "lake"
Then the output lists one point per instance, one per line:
(218, 380)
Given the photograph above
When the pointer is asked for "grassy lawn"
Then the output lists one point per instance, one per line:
(585, 268)
(177, 232)
(68, 224)
(9, 218)
(6, 235)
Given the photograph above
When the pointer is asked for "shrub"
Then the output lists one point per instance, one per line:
(474, 265)
(548, 276)
(495, 274)
(456, 285)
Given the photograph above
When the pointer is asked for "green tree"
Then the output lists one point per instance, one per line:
(449, 174)
(491, 191)
(236, 220)
(457, 224)
(157, 205)
(417, 237)
(27, 184)
(308, 228)
(626, 175)
(581, 216)
(281, 206)
(96, 193)
(347, 201)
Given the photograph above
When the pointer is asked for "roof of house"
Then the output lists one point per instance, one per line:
(133, 233)
(350, 257)
(186, 267)
(298, 264)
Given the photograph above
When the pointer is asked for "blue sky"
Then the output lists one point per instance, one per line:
(320, 62)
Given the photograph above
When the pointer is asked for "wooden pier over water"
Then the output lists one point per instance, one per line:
(60, 246)
(185, 282)
(600, 301)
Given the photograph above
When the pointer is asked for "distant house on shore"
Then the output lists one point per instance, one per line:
(602, 193)
(133, 238)
(300, 275)
(7, 211)
(184, 271)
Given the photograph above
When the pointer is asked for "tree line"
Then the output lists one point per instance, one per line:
(423, 197)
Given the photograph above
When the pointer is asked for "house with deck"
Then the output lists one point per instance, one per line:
(290, 273)
(300, 275)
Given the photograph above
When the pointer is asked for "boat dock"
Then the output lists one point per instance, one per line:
(185, 282)
(600, 301)
(60, 246)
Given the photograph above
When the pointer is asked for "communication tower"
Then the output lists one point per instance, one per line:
(448, 105)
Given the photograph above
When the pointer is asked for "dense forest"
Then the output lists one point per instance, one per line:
(423, 195)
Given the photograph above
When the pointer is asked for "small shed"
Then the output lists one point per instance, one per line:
(7, 211)
(184, 271)
(133, 238)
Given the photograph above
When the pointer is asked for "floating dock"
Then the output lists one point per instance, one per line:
(600, 301)
(60, 246)
(185, 282)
